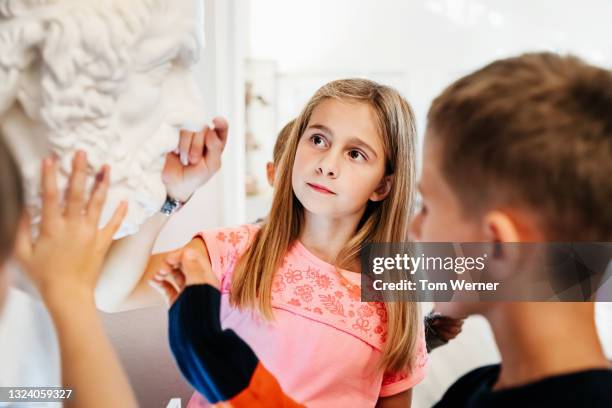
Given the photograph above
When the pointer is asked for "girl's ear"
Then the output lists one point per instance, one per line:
(383, 189)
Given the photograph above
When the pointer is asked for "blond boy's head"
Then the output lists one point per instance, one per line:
(519, 151)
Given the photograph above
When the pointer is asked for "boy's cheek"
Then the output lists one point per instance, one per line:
(449, 227)
(416, 225)
(429, 229)
(456, 310)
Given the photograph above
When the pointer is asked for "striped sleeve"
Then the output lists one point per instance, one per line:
(217, 362)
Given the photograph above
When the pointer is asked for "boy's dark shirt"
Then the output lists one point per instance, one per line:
(592, 388)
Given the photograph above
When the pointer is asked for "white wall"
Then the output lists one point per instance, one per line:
(429, 42)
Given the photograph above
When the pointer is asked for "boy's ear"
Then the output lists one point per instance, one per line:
(383, 189)
(512, 226)
(500, 227)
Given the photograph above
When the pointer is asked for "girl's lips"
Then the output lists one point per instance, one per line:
(320, 189)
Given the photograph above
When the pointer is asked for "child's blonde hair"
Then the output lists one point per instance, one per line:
(383, 221)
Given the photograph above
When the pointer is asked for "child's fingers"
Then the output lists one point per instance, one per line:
(185, 140)
(50, 200)
(447, 335)
(164, 270)
(174, 258)
(451, 329)
(171, 277)
(448, 321)
(215, 143)
(197, 146)
(221, 127)
(98, 195)
(114, 223)
(179, 278)
(76, 186)
(165, 289)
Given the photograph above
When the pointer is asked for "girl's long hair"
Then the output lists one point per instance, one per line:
(383, 221)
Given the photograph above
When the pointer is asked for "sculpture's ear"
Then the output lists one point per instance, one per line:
(19, 50)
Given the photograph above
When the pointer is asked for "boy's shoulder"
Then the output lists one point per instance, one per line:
(584, 388)
(469, 385)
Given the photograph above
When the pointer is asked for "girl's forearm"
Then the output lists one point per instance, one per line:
(125, 264)
(90, 366)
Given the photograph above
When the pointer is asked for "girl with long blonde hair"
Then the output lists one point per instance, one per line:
(291, 286)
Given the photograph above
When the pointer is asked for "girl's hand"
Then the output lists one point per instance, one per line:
(183, 267)
(197, 160)
(66, 257)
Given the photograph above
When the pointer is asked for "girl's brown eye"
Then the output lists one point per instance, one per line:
(356, 154)
(317, 140)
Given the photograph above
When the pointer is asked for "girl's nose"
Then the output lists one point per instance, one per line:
(328, 166)
(326, 172)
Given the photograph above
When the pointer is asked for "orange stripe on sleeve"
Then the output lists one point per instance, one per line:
(263, 391)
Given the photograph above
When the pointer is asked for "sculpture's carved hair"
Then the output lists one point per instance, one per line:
(78, 52)
(66, 64)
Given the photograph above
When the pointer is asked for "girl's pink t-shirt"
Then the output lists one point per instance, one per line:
(324, 344)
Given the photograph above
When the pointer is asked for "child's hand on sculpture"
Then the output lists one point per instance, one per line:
(182, 268)
(67, 255)
(196, 160)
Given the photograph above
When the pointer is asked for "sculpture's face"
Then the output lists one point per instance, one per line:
(111, 77)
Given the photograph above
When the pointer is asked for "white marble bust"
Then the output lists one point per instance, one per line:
(111, 77)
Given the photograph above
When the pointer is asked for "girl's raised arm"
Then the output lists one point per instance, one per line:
(129, 264)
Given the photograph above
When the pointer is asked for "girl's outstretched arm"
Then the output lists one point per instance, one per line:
(129, 264)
